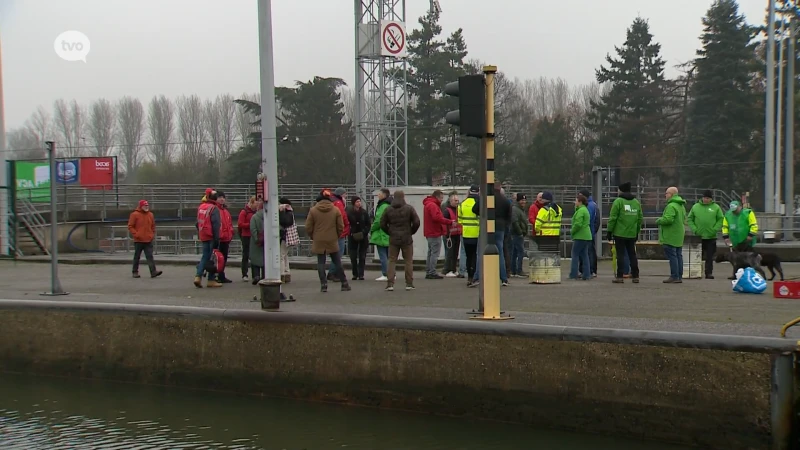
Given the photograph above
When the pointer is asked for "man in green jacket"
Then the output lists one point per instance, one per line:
(624, 225)
(705, 220)
(671, 231)
(378, 237)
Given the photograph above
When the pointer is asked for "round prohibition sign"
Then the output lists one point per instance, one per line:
(394, 38)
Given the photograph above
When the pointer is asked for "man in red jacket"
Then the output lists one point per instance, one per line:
(339, 198)
(533, 211)
(435, 227)
(225, 233)
(243, 226)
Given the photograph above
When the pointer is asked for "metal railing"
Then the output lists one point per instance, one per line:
(33, 224)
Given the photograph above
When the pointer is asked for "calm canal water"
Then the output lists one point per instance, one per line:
(49, 413)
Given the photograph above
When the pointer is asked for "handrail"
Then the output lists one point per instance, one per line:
(673, 339)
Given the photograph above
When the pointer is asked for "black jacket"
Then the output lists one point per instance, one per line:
(359, 220)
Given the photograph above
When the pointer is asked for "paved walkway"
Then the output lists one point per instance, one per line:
(705, 306)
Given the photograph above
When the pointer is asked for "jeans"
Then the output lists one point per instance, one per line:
(507, 248)
(333, 269)
(593, 260)
(517, 254)
(471, 257)
(245, 254)
(434, 250)
(451, 256)
(675, 257)
(383, 255)
(709, 251)
(580, 256)
(462, 260)
(626, 251)
(208, 248)
(147, 248)
(358, 255)
(499, 240)
(336, 261)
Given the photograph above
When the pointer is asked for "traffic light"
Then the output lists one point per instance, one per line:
(471, 114)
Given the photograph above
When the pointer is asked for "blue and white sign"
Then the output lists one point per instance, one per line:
(67, 171)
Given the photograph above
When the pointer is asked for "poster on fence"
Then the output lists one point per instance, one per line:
(97, 173)
(33, 181)
(67, 171)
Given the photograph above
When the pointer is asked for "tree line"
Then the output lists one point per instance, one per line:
(702, 128)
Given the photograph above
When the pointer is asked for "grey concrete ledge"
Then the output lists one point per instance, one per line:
(501, 328)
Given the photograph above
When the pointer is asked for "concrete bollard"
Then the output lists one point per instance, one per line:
(544, 268)
(270, 294)
(692, 258)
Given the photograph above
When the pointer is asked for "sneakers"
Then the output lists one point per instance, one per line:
(461, 276)
(155, 274)
(451, 275)
(346, 286)
(433, 276)
(382, 278)
(136, 275)
(473, 283)
(672, 281)
(323, 288)
(213, 284)
(389, 288)
(504, 284)
(245, 278)
(410, 287)
(618, 280)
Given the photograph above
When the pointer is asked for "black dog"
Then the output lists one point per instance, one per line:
(741, 260)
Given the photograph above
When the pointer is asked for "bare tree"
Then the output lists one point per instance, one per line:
(211, 119)
(349, 102)
(40, 123)
(192, 132)
(130, 121)
(70, 121)
(226, 116)
(161, 126)
(102, 124)
(24, 143)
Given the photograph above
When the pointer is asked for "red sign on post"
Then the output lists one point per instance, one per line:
(262, 191)
(97, 173)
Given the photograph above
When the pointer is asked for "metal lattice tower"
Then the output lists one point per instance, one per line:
(381, 111)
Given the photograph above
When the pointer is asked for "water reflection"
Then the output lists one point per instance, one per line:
(50, 413)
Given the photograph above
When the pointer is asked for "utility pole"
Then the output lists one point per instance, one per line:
(779, 118)
(5, 189)
(769, 144)
(788, 178)
(55, 283)
(271, 284)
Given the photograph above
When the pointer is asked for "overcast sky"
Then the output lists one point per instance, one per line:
(207, 47)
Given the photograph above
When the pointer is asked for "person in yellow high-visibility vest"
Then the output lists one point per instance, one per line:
(470, 230)
(547, 229)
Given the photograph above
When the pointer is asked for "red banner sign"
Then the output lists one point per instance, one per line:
(97, 173)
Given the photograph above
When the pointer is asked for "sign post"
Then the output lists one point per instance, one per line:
(55, 284)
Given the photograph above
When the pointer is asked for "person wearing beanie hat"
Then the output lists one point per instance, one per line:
(338, 198)
(209, 224)
(739, 228)
(289, 236)
(468, 217)
(142, 226)
(705, 220)
(594, 226)
(624, 226)
(519, 228)
(358, 239)
(548, 223)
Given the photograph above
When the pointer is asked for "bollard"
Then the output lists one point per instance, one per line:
(693, 258)
(270, 294)
(544, 262)
(782, 401)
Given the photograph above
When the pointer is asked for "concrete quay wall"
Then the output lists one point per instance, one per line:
(538, 375)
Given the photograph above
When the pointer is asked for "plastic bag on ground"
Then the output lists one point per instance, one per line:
(748, 281)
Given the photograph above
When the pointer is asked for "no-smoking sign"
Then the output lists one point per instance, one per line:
(393, 39)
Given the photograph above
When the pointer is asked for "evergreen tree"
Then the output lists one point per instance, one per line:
(723, 121)
(628, 121)
(432, 64)
(551, 158)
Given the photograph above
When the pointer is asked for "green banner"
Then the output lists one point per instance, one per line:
(33, 181)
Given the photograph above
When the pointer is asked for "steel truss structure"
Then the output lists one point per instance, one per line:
(381, 110)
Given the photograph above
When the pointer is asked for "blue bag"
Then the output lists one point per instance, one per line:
(748, 281)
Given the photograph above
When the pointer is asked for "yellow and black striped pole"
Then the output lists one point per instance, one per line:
(491, 255)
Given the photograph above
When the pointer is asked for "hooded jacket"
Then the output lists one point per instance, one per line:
(625, 218)
(142, 226)
(672, 223)
(705, 220)
(339, 203)
(400, 221)
(243, 223)
(435, 225)
(377, 235)
(324, 225)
